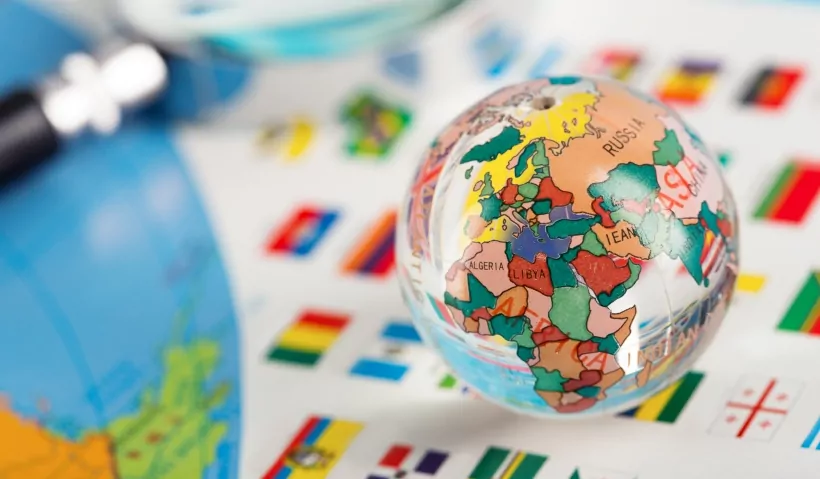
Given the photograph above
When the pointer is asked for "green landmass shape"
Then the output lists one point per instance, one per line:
(626, 181)
(503, 142)
(171, 434)
(521, 166)
(669, 151)
(570, 311)
(480, 297)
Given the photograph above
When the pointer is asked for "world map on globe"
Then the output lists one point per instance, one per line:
(536, 218)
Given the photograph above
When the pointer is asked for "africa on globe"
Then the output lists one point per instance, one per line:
(569, 246)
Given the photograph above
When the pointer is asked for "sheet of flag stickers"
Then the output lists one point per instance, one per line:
(754, 395)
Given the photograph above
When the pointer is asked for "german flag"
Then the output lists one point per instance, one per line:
(771, 87)
(792, 193)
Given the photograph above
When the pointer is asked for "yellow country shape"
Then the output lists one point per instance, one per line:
(566, 120)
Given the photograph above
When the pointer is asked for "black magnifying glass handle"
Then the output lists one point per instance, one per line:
(27, 137)
(88, 93)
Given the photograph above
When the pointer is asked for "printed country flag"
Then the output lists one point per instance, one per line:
(804, 313)
(811, 438)
(689, 82)
(290, 141)
(591, 473)
(404, 461)
(315, 449)
(499, 463)
(452, 383)
(792, 194)
(545, 61)
(374, 253)
(403, 65)
(496, 48)
(302, 232)
(393, 353)
(712, 254)
(374, 125)
(615, 63)
(771, 87)
(750, 283)
(306, 340)
(445, 380)
(668, 404)
(756, 408)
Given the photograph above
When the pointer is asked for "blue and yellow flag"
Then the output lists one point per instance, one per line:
(315, 449)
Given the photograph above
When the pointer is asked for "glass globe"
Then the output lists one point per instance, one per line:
(569, 246)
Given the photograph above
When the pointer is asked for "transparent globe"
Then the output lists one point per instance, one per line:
(569, 246)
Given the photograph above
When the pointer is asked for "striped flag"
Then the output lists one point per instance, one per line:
(500, 463)
(315, 449)
(289, 141)
(811, 439)
(374, 125)
(712, 252)
(804, 313)
(302, 232)
(771, 87)
(668, 404)
(619, 64)
(403, 65)
(392, 355)
(756, 408)
(544, 63)
(688, 82)
(792, 194)
(495, 49)
(374, 253)
(404, 461)
(308, 338)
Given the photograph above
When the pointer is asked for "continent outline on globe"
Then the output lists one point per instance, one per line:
(564, 209)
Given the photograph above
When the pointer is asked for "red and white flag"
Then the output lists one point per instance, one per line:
(756, 408)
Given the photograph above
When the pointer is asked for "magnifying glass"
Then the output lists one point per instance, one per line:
(140, 40)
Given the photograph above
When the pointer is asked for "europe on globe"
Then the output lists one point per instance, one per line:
(569, 245)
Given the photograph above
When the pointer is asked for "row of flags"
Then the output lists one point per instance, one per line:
(321, 441)
(686, 82)
(373, 253)
(398, 349)
(756, 408)
(372, 123)
(789, 199)
(305, 340)
(390, 356)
